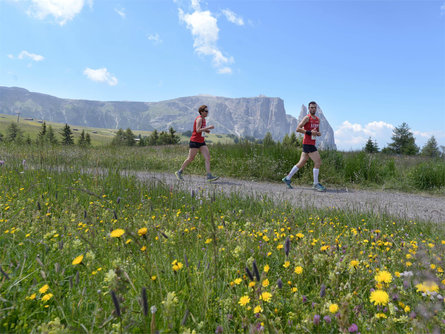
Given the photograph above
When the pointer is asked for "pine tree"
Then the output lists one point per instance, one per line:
(82, 142)
(153, 139)
(403, 141)
(268, 140)
(129, 138)
(119, 138)
(14, 133)
(42, 136)
(174, 139)
(431, 149)
(371, 146)
(67, 135)
(51, 136)
(88, 139)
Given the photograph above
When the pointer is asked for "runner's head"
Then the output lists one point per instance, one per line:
(312, 107)
(202, 109)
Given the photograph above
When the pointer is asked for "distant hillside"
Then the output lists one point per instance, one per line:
(239, 116)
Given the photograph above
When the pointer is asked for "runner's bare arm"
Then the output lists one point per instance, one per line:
(300, 127)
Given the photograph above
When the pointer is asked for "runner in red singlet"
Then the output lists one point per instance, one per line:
(310, 127)
(197, 144)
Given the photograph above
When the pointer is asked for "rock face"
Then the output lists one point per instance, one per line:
(326, 140)
(252, 117)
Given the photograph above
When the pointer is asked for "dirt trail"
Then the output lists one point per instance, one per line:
(399, 205)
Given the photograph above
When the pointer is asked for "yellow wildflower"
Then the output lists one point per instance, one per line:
(379, 297)
(298, 270)
(265, 283)
(142, 231)
(77, 260)
(257, 309)
(44, 288)
(117, 233)
(266, 296)
(333, 308)
(244, 300)
(47, 297)
(266, 268)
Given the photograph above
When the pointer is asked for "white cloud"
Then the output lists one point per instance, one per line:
(442, 9)
(62, 10)
(27, 55)
(155, 38)
(232, 17)
(354, 136)
(204, 28)
(121, 12)
(101, 75)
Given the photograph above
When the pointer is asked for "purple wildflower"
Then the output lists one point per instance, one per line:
(316, 320)
(353, 328)
(327, 319)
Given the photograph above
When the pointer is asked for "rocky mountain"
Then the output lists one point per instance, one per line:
(243, 117)
(326, 140)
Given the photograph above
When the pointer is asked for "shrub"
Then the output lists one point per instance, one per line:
(428, 175)
(363, 167)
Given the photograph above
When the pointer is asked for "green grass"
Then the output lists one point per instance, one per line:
(192, 261)
(247, 161)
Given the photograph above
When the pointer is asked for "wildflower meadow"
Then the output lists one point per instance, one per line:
(87, 253)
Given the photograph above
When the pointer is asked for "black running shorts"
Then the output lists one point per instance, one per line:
(194, 144)
(309, 148)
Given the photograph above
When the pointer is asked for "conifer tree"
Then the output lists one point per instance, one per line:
(67, 135)
(431, 149)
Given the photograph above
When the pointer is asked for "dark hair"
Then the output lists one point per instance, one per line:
(202, 108)
(312, 102)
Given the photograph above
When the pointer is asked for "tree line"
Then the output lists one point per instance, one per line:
(46, 135)
(403, 143)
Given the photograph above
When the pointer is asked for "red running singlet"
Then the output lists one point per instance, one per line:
(197, 136)
(314, 123)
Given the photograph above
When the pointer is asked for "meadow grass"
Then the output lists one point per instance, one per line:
(247, 161)
(106, 253)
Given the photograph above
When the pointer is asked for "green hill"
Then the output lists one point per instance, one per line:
(99, 136)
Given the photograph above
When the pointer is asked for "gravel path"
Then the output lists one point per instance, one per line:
(398, 205)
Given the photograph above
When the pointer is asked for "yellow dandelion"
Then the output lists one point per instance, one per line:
(407, 309)
(286, 264)
(381, 316)
(266, 296)
(44, 288)
(333, 308)
(208, 241)
(117, 233)
(238, 281)
(153, 278)
(353, 264)
(383, 276)
(142, 231)
(47, 297)
(77, 260)
(143, 248)
(427, 287)
(298, 270)
(266, 268)
(257, 309)
(128, 241)
(32, 297)
(251, 284)
(265, 283)
(379, 297)
(244, 300)
(299, 235)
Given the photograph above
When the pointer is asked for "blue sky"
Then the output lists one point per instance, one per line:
(370, 65)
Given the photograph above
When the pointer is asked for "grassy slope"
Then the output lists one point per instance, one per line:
(99, 136)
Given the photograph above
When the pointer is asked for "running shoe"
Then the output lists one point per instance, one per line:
(212, 178)
(287, 182)
(179, 175)
(319, 187)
